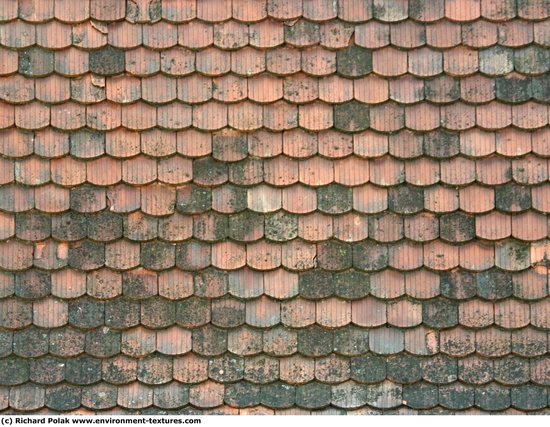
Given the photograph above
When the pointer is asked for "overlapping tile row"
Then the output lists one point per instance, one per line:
(273, 206)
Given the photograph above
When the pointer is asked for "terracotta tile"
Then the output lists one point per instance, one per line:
(246, 11)
(477, 256)
(263, 312)
(27, 397)
(540, 198)
(17, 34)
(177, 61)
(425, 62)
(529, 342)
(124, 34)
(298, 255)
(443, 34)
(213, 62)
(440, 256)
(193, 143)
(422, 341)
(532, 10)
(457, 342)
(388, 284)
(370, 199)
(477, 199)
(539, 314)
(406, 90)
(525, 116)
(160, 35)
(139, 116)
(390, 62)
(422, 117)
(263, 255)
(281, 61)
(249, 61)
(458, 116)
(175, 284)
(496, 10)
(230, 35)
(476, 314)
(422, 284)
(318, 61)
(227, 255)
(315, 227)
(541, 33)
(210, 116)
(529, 226)
(515, 33)
(53, 35)
(245, 341)
(299, 199)
(493, 342)
(422, 172)
(32, 171)
(351, 171)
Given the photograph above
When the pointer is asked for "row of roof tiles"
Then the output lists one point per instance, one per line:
(232, 146)
(247, 116)
(352, 62)
(280, 171)
(296, 369)
(298, 89)
(140, 284)
(247, 11)
(123, 313)
(281, 227)
(269, 34)
(334, 199)
(247, 397)
(332, 255)
(310, 341)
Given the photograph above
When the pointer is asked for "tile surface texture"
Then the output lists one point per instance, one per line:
(274, 206)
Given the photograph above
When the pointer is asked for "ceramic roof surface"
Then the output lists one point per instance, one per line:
(274, 206)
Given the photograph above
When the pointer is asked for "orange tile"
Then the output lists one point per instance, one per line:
(477, 256)
(370, 199)
(249, 11)
(265, 88)
(441, 199)
(372, 35)
(405, 256)
(422, 284)
(422, 117)
(139, 116)
(210, 116)
(529, 226)
(228, 255)
(281, 284)
(158, 199)
(315, 227)
(248, 61)
(299, 199)
(245, 116)
(530, 115)
(263, 312)
(406, 90)
(388, 284)
(160, 35)
(158, 89)
(214, 11)
(52, 89)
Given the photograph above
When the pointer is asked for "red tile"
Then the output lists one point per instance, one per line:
(298, 255)
(440, 256)
(160, 35)
(175, 170)
(335, 89)
(493, 170)
(177, 61)
(7, 225)
(15, 255)
(156, 143)
(194, 89)
(477, 143)
(371, 90)
(158, 199)
(122, 255)
(68, 116)
(493, 342)
(248, 61)
(139, 170)
(351, 171)
(213, 62)
(245, 116)
(280, 116)
(351, 11)
(135, 396)
(497, 10)
(463, 61)
(477, 256)
(334, 35)
(249, 11)
(443, 34)
(88, 36)
(317, 61)
(529, 116)
(422, 117)
(404, 314)
(281, 284)
(390, 62)
(515, 33)
(441, 199)
(541, 198)
(195, 35)
(512, 314)
(406, 90)
(103, 116)
(476, 313)
(142, 61)
(174, 116)
(370, 199)
(479, 34)
(228, 255)
(264, 89)
(32, 116)
(210, 116)
(494, 115)
(281, 171)
(315, 227)
(408, 35)
(17, 34)
(265, 144)
(104, 171)
(422, 284)
(53, 89)
(8, 61)
(422, 172)
(175, 284)
(373, 34)
(386, 227)
(539, 314)
(214, 11)
(422, 341)
(457, 342)
(53, 35)
(125, 35)
(299, 143)
(368, 312)
(405, 256)
(230, 35)
(263, 312)
(530, 170)
(388, 284)
(387, 171)
(263, 255)
(297, 369)
(139, 116)
(458, 116)
(529, 226)
(158, 89)
(106, 10)
(316, 171)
